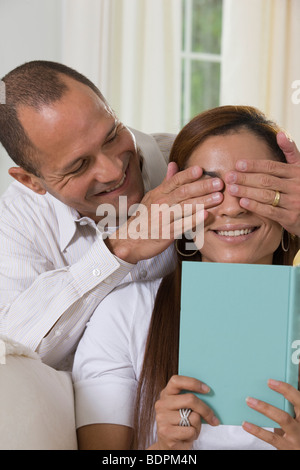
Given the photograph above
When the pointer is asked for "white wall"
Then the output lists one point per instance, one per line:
(29, 30)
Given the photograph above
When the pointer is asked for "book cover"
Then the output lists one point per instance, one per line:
(239, 327)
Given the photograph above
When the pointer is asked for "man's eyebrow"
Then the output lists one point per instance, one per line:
(212, 174)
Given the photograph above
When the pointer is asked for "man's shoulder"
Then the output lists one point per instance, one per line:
(19, 199)
(163, 141)
(164, 138)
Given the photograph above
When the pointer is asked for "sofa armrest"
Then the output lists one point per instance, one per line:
(36, 402)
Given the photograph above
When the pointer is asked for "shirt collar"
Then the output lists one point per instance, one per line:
(67, 218)
(154, 167)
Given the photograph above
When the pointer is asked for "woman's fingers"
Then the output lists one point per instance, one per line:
(177, 400)
(171, 399)
(177, 383)
(289, 437)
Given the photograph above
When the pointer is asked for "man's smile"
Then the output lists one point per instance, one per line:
(117, 185)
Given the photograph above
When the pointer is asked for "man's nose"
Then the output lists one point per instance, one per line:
(107, 168)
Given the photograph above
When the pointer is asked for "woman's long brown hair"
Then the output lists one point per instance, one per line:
(161, 353)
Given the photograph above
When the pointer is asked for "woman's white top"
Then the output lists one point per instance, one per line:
(109, 359)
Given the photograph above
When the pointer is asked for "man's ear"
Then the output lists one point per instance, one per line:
(28, 179)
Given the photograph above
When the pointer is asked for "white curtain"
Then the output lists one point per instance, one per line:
(131, 50)
(260, 49)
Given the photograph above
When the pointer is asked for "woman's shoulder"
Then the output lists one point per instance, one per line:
(133, 293)
(122, 304)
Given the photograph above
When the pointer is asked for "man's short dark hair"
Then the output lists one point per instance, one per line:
(32, 84)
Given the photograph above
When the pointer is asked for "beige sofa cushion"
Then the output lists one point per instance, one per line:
(36, 402)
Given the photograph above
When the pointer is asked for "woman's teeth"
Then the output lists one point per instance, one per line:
(118, 185)
(234, 233)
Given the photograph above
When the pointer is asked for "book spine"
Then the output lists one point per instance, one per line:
(293, 340)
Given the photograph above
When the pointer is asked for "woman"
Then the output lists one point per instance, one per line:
(125, 370)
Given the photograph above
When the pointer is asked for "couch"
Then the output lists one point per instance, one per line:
(36, 402)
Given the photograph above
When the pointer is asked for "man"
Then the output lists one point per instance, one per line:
(75, 157)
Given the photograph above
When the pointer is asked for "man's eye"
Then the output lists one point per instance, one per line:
(80, 167)
(115, 133)
(112, 137)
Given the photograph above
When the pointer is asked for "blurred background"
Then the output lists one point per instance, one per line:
(161, 62)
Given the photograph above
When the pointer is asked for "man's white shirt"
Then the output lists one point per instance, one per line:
(55, 268)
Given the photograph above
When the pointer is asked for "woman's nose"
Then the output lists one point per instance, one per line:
(230, 205)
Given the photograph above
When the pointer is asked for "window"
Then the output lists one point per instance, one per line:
(201, 56)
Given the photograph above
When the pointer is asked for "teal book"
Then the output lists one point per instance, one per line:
(239, 327)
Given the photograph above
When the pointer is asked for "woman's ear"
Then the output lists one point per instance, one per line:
(28, 179)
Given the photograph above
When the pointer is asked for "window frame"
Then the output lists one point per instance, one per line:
(187, 56)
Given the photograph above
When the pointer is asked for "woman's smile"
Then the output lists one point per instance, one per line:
(234, 233)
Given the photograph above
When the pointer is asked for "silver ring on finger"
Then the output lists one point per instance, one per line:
(184, 415)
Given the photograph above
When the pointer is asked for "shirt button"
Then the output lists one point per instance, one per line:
(58, 332)
(83, 222)
(96, 272)
(143, 274)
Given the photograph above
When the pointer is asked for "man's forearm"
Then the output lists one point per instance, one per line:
(51, 314)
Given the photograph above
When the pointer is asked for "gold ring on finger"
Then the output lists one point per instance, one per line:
(276, 201)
